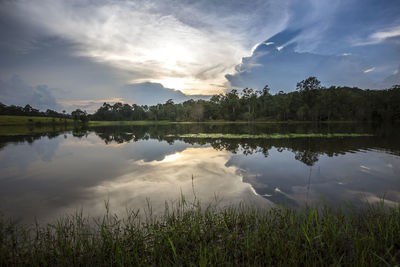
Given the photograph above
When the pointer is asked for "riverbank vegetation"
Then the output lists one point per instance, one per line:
(309, 102)
(32, 120)
(26, 121)
(188, 235)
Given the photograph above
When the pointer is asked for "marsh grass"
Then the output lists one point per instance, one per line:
(267, 136)
(191, 235)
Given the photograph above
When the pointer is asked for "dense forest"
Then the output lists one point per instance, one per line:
(309, 102)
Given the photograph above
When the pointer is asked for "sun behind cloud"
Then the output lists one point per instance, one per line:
(188, 47)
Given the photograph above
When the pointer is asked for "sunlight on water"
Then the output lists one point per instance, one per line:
(173, 157)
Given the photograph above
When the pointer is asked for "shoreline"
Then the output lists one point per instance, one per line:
(11, 120)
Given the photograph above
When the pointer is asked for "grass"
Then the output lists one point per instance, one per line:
(26, 125)
(31, 120)
(266, 136)
(188, 235)
(13, 130)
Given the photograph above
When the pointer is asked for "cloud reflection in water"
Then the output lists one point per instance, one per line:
(166, 180)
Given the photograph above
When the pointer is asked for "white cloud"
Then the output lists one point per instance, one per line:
(380, 36)
(369, 70)
(177, 44)
(282, 68)
(386, 34)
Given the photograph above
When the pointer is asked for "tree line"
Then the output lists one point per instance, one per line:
(30, 111)
(309, 102)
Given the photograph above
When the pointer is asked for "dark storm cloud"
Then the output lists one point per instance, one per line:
(16, 92)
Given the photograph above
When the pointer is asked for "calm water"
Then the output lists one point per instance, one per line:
(47, 175)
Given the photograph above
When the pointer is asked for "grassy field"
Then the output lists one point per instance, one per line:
(30, 120)
(26, 125)
(12, 130)
(188, 235)
(266, 136)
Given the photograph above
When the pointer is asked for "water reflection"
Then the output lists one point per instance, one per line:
(46, 175)
(356, 177)
(196, 173)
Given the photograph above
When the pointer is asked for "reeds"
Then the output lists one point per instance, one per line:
(192, 235)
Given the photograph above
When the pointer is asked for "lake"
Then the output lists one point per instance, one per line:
(46, 175)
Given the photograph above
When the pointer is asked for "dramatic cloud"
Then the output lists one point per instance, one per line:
(279, 63)
(282, 68)
(179, 44)
(132, 50)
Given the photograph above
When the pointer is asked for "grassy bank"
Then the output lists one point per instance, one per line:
(30, 120)
(12, 130)
(191, 236)
(266, 136)
(27, 125)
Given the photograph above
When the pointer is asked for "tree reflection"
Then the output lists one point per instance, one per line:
(307, 157)
(306, 150)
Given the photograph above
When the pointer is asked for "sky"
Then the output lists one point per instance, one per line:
(68, 54)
